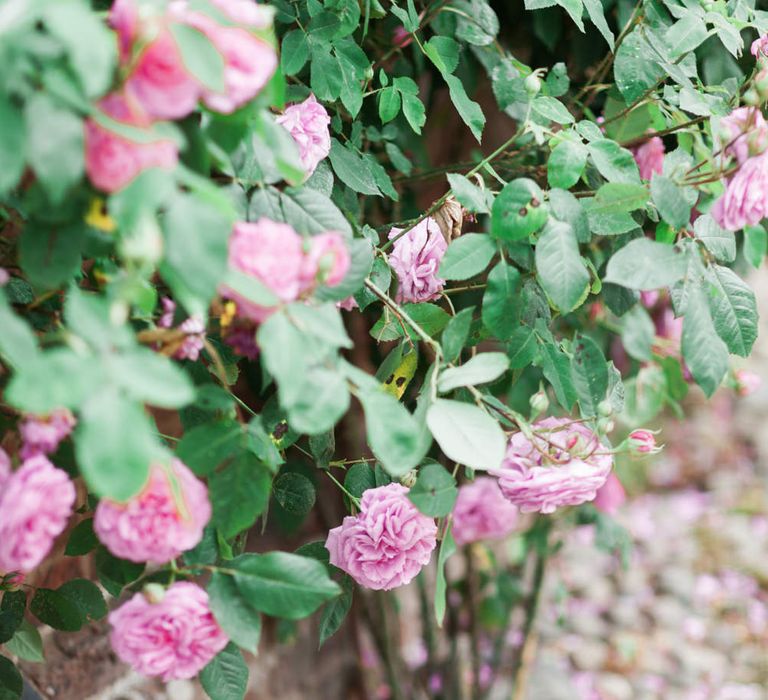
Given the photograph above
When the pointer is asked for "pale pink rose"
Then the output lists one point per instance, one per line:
(745, 201)
(124, 19)
(328, 260)
(648, 299)
(308, 123)
(5, 466)
(159, 81)
(759, 48)
(193, 327)
(246, 12)
(747, 134)
(482, 513)
(387, 543)
(42, 434)
(649, 157)
(272, 253)
(172, 639)
(610, 496)
(565, 467)
(36, 501)
(4, 277)
(669, 328)
(416, 258)
(111, 160)
(169, 311)
(158, 524)
(348, 304)
(747, 382)
(642, 442)
(401, 37)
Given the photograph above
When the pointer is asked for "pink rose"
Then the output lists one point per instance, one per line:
(5, 466)
(348, 304)
(745, 201)
(416, 258)
(159, 81)
(36, 502)
(482, 513)
(610, 496)
(42, 434)
(308, 123)
(387, 543)
(648, 299)
(174, 638)
(328, 260)
(747, 382)
(759, 48)
(565, 467)
(193, 328)
(157, 525)
(111, 160)
(669, 328)
(246, 12)
(272, 253)
(747, 134)
(642, 442)
(649, 157)
(124, 19)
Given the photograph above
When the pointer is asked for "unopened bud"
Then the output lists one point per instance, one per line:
(642, 442)
(605, 409)
(153, 592)
(605, 425)
(747, 382)
(751, 97)
(539, 402)
(533, 84)
(409, 478)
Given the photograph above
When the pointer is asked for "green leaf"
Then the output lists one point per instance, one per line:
(685, 35)
(447, 548)
(615, 164)
(566, 163)
(467, 256)
(414, 110)
(352, 169)
(635, 69)
(114, 574)
(478, 25)
(589, 371)
(615, 197)
(443, 52)
(430, 317)
(381, 276)
(643, 264)
(637, 333)
(13, 138)
(50, 254)
(562, 274)
(12, 609)
(114, 444)
(469, 111)
(56, 610)
(310, 211)
(705, 354)
(335, 612)
(282, 584)
(389, 104)
(87, 598)
(392, 432)
(518, 210)
(295, 493)
(718, 241)
(466, 434)
(596, 13)
(201, 58)
(226, 676)
(501, 300)
(206, 446)
(240, 622)
(325, 73)
(11, 684)
(294, 52)
(456, 333)
(481, 369)
(239, 494)
(27, 644)
(670, 201)
(734, 310)
(152, 378)
(469, 195)
(552, 109)
(359, 478)
(82, 539)
(17, 341)
(434, 492)
(755, 245)
(54, 145)
(522, 348)
(557, 370)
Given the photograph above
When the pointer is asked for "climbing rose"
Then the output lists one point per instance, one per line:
(36, 502)
(416, 257)
(747, 134)
(747, 382)
(745, 201)
(649, 157)
(174, 638)
(328, 259)
(308, 123)
(111, 160)
(642, 442)
(387, 543)
(42, 434)
(565, 467)
(482, 513)
(158, 524)
(610, 496)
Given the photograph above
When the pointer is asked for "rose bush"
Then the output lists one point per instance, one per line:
(216, 233)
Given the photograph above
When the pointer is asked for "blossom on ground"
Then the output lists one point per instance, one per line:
(328, 260)
(173, 638)
(43, 434)
(610, 496)
(481, 512)
(745, 201)
(307, 122)
(416, 258)
(165, 519)
(112, 160)
(36, 501)
(564, 465)
(747, 382)
(649, 157)
(387, 543)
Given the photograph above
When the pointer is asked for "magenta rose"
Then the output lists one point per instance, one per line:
(610, 496)
(745, 134)
(387, 543)
(482, 513)
(416, 258)
(157, 525)
(649, 157)
(36, 501)
(308, 123)
(564, 465)
(112, 160)
(328, 260)
(173, 638)
(43, 434)
(745, 201)
(271, 252)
